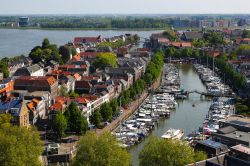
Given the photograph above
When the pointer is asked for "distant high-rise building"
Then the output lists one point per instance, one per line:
(23, 21)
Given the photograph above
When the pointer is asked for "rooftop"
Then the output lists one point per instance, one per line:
(239, 135)
(241, 148)
(212, 144)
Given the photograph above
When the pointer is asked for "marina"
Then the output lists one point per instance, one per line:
(172, 113)
(184, 116)
(156, 107)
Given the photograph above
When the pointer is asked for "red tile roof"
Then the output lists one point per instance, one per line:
(77, 76)
(82, 100)
(43, 80)
(91, 97)
(57, 106)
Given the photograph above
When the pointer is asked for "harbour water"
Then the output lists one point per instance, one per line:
(185, 116)
(20, 41)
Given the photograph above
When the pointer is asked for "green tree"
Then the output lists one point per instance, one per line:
(200, 156)
(73, 51)
(59, 124)
(76, 121)
(170, 34)
(47, 54)
(105, 59)
(246, 34)
(45, 43)
(148, 78)
(106, 112)
(73, 94)
(65, 52)
(63, 91)
(5, 119)
(96, 118)
(161, 152)
(114, 106)
(36, 54)
(19, 146)
(133, 92)
(214, 38)
(4, 69)
(101, 150)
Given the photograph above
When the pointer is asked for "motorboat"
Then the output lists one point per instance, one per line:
(173, 134)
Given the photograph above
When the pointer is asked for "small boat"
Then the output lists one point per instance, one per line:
(173, 134)
(193, 105)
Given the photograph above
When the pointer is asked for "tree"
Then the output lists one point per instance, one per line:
(5, 119)
(161, 152)
(246, 34)
(65, 52)
(63, 91)
(214, 38)
(45, 43)
(73, 51)
(106, 112)
(19, 146)
(4, 69)
(199, 156)
(101, 150)
(148, 78)
(170, 34)
(133, 92)
(105, 59)
(59, 124)
(76, 121)
(73, 94)
(114, 106)
(96, 118)
(36, 54)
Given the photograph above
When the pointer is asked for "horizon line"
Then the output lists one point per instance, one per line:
(106, 14)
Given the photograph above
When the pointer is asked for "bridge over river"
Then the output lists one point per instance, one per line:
(201, 93)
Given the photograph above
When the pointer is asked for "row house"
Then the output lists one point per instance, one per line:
(88, 41)
(120, 73)
(118, 86)
(18, 110)
(83, 87)
(103, 89)
(36, 108)
(31, 84)
(13, 66)
(28, 96)
(34, 70)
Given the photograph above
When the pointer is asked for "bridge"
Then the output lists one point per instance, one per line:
(206, 94)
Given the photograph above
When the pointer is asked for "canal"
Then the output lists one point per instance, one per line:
(185, 116)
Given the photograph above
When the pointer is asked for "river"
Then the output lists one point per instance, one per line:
(185, 116)
(20, 41)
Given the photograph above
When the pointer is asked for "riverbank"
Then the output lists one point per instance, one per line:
(133, 106)
(86, 29)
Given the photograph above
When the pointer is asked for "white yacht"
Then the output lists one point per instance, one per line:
(173, 134)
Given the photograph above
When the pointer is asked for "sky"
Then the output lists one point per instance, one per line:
(124, 6)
